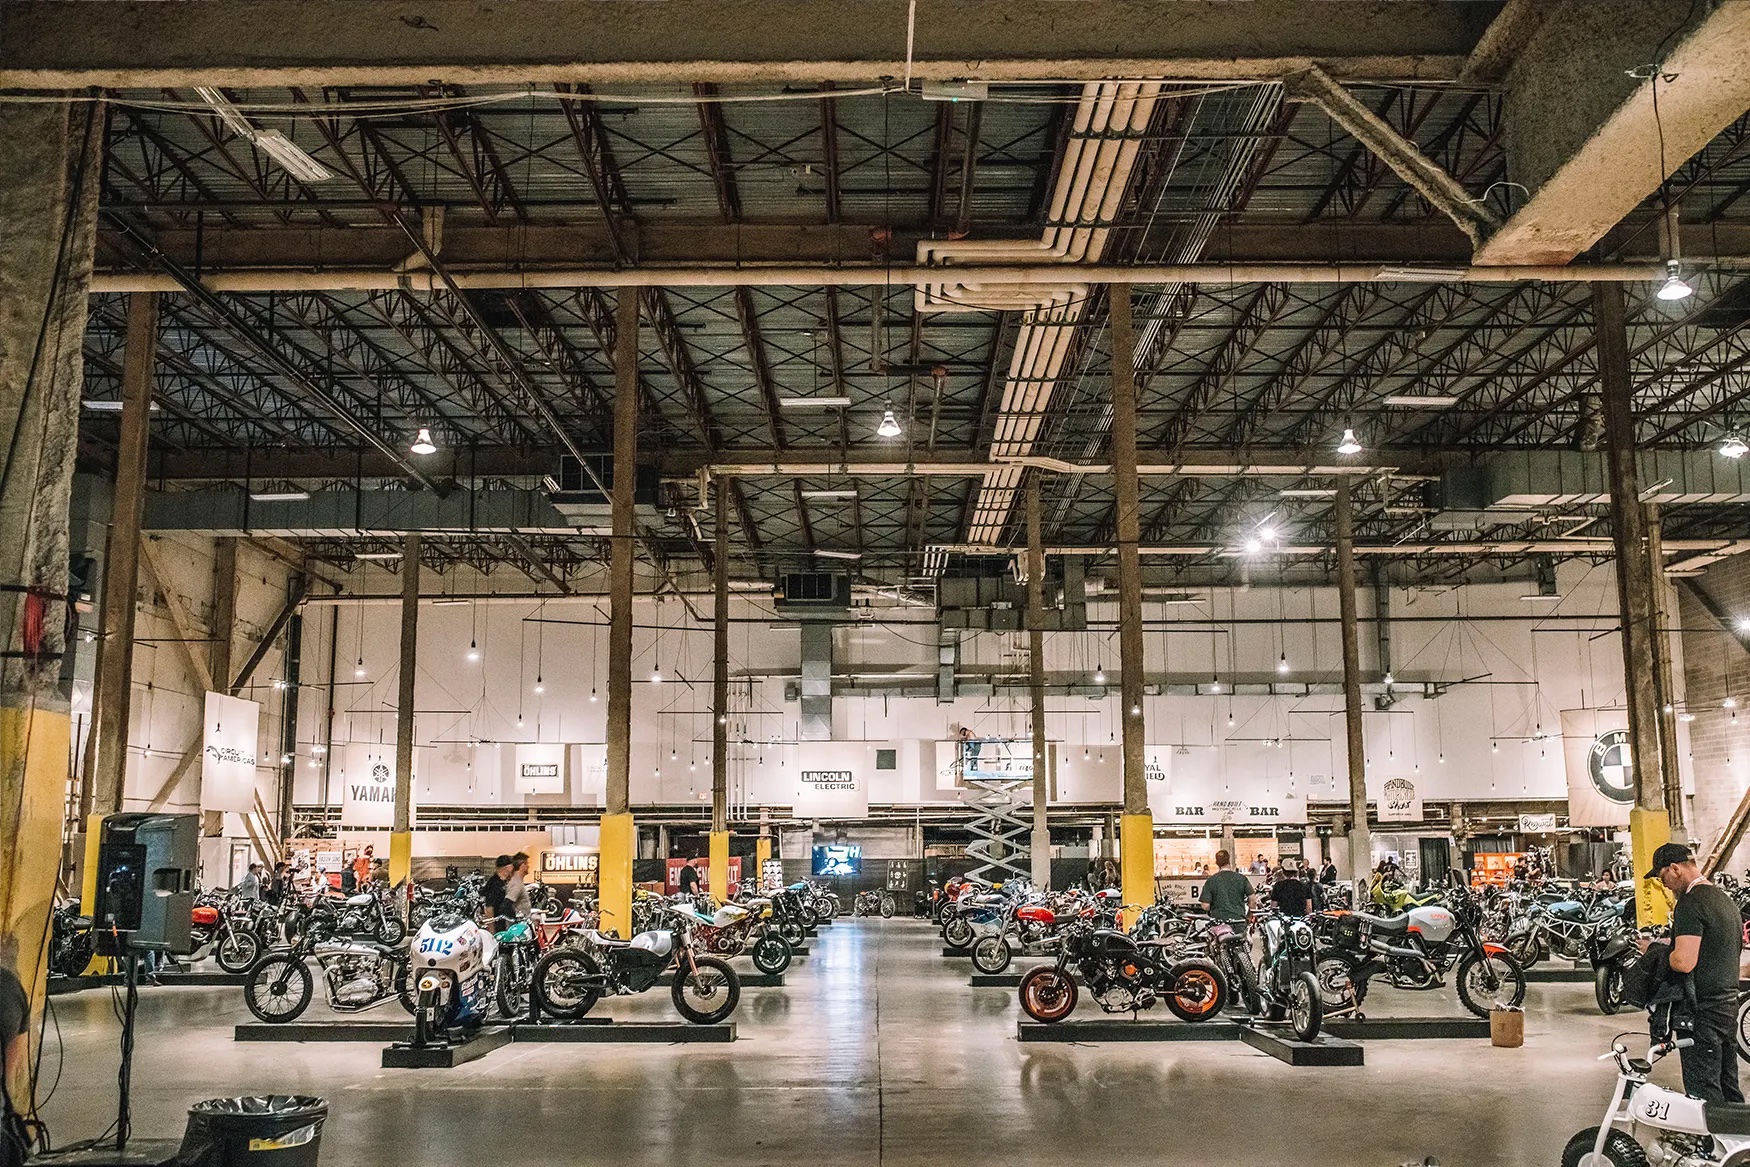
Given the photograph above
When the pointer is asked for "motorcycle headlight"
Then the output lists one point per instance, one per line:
(1302, 937)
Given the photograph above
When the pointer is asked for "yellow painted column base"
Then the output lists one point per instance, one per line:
(400, 858)
(719, 868)
(614, 873)
(1136, 859)
(33, 791)
(98, 965)
(1648, 830)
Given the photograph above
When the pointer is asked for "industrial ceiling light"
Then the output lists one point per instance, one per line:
(359, 669)
(656, 675)
(1282, 665)
(1099, 674)
(473, 651)
(1350, 443)
(422, 443)
(1734, 446)
(279, 495)
(539, 686)
(889, 427)
(1675, 286)
(274, 144)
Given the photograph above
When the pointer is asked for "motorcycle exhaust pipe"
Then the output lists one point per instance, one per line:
(1394, 950)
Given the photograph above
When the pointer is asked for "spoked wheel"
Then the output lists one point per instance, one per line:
(991, 955)
(511, 987)
(1339, 987)
(1245, 976)
(888, 907)
(1484, 982)
(1195, 990)
(708, 992)
(392, 931)
(1048, 994)
(565, 983)
(278, 989)
(1743, 1030)
(1526, 948)
(957, 933)
(1306, 1015)
(793, 933)
(238, 950)
(770, 954)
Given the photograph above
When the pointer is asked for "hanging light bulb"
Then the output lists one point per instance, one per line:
(1734, 446)
(1136, 711)
(672, 755)
(1099, 674)
(656, 675)
(1230, 720)
(1675, 286)
(539, 686)
(592, 693)
(473, 651)
(359, 669)
(1729, 703)
(422, 443)
(889, 427)
(1282, 665)
(1350, 444)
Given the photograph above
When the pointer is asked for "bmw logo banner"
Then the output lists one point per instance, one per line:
(1600, 767)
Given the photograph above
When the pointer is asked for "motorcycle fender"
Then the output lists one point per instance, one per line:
(1495, 949)
(1669, 1110)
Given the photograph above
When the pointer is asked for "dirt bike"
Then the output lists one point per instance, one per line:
(1681, 1129)
(357, 974)
(567, 982)
(1123, 977)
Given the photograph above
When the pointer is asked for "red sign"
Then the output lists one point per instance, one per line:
(672, 883)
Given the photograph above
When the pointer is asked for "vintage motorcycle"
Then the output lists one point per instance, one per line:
(1287, 986)
(453, 963)
(1565, 928)
(1123, 977)
(737, 928)
(223, 927)
(875, 903)
(357, 974)
(567, 982)
(1683, 1130)
(72, 943)
(1415, 950)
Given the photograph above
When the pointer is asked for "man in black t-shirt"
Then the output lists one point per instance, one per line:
(1707, 935)
(495, 897)
(688, 879)
(1291, 892)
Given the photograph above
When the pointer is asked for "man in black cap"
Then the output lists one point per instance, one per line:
(1707, 935)
(495, 895)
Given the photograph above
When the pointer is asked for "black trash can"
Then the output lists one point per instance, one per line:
(270, 1130)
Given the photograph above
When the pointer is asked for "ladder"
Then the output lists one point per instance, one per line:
(1000, 834)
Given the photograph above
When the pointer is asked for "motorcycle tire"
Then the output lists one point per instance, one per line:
(392, 931)
(991, 955)
(888, 907)
(510, 991)
(1510, 992)
(792, 933)
(1620, 1149)
(1245, 978)
(1306, 1013)
(238, 951)
(547, 983)
(808, 917)
(957, 933)
(771, 955)
(1048, 994)
(1340, 987)
(1743, 1032)
(1607, 989)
(1196, 990)
(832, 907)
(408, 990)
(1527, 950)
(709, 975)
(278, 989)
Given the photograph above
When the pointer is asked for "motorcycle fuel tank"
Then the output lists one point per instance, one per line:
(1433, 922)
(1669, 1110)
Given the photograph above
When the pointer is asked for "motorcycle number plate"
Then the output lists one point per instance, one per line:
(1657, 1110)
(441, 945)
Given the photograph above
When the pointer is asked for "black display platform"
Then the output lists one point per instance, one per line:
(59, 986)
(752, 980)
(1558, 974)
(179, 977)
(139, 1153)
(1323, 1050)
(1116, 1029)
(608, 1032)
(962, 952)
(1408, 1028)
(443, 1057)
(326, 1031)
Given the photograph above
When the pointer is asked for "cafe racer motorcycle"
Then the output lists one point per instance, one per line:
(1122, 976)
(567, 982)
(1415, 950)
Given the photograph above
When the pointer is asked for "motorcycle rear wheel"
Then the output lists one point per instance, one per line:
(1048, 994)
(1339, 985)
(1607, 990)
(1246, 979)
(771, 955)
(708, 993)
(555, 983)
(1196, 990)
(510, 988)
(991, 955)
(238, 951)
(392, 931)
(1480, 997)
(792, 933)
(1620, 1149)
(278, 988)
(1306, 1014)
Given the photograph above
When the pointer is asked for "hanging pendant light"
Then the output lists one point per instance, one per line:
(359, 669)
(1350, 444)
(422, 443)
(473, 651)
(1734, 446)
(1675, 286)
(889, 427)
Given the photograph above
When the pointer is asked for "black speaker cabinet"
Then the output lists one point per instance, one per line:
(145, 879)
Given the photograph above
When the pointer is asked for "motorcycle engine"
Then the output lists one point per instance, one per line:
(1409, 973)
(1690, 1150)
(354, 981)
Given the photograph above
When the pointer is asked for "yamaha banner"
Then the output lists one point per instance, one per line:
(1600, 766)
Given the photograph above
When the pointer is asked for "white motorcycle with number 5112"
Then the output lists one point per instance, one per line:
(451, 966)
(1684, 1131)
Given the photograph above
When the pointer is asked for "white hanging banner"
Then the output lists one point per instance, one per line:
(1399, 802)
(228, 753)
(1188, 785)
(1600, 767)
(368, 782)
(542, 767)
(829, 780)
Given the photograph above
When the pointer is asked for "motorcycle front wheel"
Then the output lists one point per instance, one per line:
(771, 955)
(1245, 976)
(563, 983)
(991, 955)
(1744, 1028)
(1048, 994)
(792, 933)
(278, 989)
(1306, 1014)
(1526, 948)
(1484, 981)
(957, 933)
(706, 994)
(1607, 990)
(237, 951)
(392, 931)
(1196, 990)
(1620, 1149)
(511, 988)
(888, 907)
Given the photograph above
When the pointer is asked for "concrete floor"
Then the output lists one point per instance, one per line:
(876, 1051)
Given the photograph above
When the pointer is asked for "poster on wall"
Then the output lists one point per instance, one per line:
(1191, 786)
(829, 780)
(368, 785)
(232, 733)
(1399, 802)
(542, 767)
(1599, 765)
(703, 866)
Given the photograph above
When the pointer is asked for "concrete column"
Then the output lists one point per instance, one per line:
(1360, 842)
(1136, 831)
(48, 206)
(401, 836)
(224, 610)
(720, 700)
(1041, 842)
(618, 833)
(1649, 825)
(115, 661)
(1664, 691)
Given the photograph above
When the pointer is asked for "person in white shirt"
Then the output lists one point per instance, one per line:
(249, 887)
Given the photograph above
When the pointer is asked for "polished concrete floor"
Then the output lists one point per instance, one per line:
(876, 1051)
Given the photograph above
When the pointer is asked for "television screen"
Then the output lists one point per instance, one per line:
(838, 859)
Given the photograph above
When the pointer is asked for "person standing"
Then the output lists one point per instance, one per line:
(1328, 875)
(361, 867)
(1707, 937)
(688, 879)
(249, 887)
(1226, 892)
(518, 886)
(495, 897)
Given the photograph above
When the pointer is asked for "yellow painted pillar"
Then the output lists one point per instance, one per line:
(400, 857)
(719, 869)
(33, 754)
(1136, 860)
(618, 846)
(1648, 829)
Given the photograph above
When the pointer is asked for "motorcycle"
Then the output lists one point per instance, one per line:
(1683, 1130)
(567, 982)
(453, 961)
(1286, 983)
(222, 927)
(1123, 977)
(737, 928)
(357, 974)
(1611, 949)
(1563, 928)
(873, 903)
(1415, 950)
(71, 943)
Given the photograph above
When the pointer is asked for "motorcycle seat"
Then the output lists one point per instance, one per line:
(1727, 1118)
(363, 899)
(1384, 923)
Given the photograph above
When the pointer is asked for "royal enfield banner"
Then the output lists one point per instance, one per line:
(233, 731)
(1600, 767)
(368, 785)
(1399, 802)
(541, 767)
(1189, 786)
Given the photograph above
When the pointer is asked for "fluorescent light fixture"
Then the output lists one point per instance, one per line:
(826, 402)
(1675, 286)
(889, 427)
(274, 144)
(1686, 717)
(1733, 447)
(1421, 400)
(376, 556)
(828, 553)
(422, 443)
(1350, 443)
(1307, 492)
(1421, 272)
(826, 495)
(1540, 596)
(279, 495)
(449, 601)
(99, 405)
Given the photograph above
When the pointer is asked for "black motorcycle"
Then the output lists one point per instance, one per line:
(1287, 986)
(1123, 977)
(1611, 949)
(72, 942)
(567, 982)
